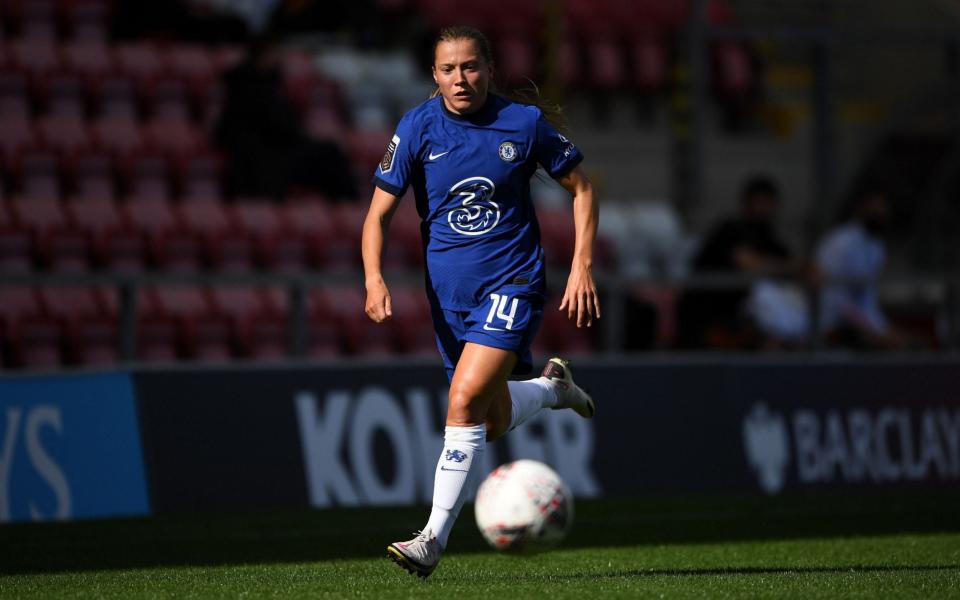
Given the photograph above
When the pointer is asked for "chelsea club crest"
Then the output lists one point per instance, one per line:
(508, 151)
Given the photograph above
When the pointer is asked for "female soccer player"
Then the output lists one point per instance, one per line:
(469, 154)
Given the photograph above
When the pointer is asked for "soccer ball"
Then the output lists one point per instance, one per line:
(524, 507)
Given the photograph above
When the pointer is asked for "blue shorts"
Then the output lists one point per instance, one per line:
(505, 321)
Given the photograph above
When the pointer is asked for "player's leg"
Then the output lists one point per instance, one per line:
(478, 380)
(478, 383)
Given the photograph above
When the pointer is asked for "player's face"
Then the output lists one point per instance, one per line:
(462, 74)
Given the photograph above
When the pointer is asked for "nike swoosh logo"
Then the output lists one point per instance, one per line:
(488, 328)
(442, 468)
(436, 156)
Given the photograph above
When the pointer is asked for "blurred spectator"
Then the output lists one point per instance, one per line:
(260, 131)
(851, 258)
(744, 244)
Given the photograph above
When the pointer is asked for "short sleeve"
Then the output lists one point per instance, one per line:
(554, 152)
(393, 172)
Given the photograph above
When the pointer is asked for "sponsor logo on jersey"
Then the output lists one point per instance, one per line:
(478, 213)
(508, 151)
(387, 163)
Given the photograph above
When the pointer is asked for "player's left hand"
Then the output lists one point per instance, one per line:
(580, 298)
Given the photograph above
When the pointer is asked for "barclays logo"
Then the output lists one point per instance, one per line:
(766, 444)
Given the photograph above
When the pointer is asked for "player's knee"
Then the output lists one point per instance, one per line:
(464, 407)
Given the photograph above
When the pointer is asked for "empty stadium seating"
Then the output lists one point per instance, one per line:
(107, 166)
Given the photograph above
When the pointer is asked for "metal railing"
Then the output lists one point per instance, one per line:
(615, 290)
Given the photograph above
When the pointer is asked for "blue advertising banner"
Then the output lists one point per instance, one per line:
(70, 448)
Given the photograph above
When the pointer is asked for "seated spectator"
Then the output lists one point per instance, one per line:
(745, 244)
(851, 258)
(260, 131)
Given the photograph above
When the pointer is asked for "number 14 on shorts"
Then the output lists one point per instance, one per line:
(498, 309)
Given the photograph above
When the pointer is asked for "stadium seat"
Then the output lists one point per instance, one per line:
(341, 251)
(38, 174)
(358, 334)
(201, 333)
(649, 64)
(518, 59)
(258, 331)
(310, 221)
(113, 244)
(89, 334)
(87, 20)
(58, 245)
(114, 97)
(62, 95)
(563, 336)
(31, 338)
(37, 20)
(65, 134)
(411, 323)
(225, 246)
(262, 222)
(34, 57)
(405, 237)
(140, 61)
(18, 137)
(167, 99)
(118, 135)
(173, 136)
(88, 60)
(15, 254)
(14, 94)
(170, 246)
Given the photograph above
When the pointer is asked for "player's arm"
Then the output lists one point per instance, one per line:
(580, 297)
(373, 245)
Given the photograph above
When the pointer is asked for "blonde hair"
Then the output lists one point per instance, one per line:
(552, 112)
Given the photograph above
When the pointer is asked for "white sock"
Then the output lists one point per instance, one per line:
(461, 445)
(528, 397)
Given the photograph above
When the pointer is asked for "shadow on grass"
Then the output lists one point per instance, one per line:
(305, 535)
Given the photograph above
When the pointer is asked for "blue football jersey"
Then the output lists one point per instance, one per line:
(471, 179)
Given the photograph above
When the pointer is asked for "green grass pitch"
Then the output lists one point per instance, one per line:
(826, 546)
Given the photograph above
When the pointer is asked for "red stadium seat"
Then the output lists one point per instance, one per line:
(200, 176)
(65, 134)
(201, 333)
(358, 334)
(365, 149)
(89, 334)
(140, 61)
(14, 94)
(118, 135)
(605, 63)
(35, 343)
(58, 245)
(35, 57)
(518, 59)
(563, 336)
(38, 174)
(115, 98)
(88, 60)
(342, 252)
(411, 323)
(569, 63)
(225, 245)
(15, 255)
(87, 20)
(312, 225)
(171, 247)
(18, 137)
(196, 67)
(174, 137)
(37, 20)
(262, 222)
(113, 244)
(649, 62)
(258, 331)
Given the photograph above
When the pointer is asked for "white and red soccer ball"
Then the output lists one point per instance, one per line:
(524, 507)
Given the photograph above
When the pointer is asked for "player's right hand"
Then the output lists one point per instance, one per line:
(378, 307)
